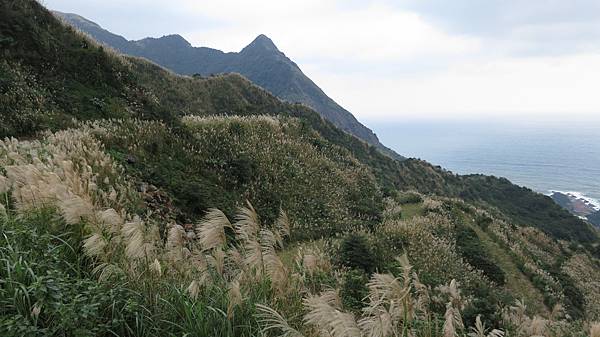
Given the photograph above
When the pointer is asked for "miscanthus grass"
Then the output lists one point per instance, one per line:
(79, 257)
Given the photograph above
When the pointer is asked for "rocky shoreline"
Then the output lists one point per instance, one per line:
(578, 205)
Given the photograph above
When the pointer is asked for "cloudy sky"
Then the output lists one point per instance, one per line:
(401, 59)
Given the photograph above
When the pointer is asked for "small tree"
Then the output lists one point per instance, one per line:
(355, 253)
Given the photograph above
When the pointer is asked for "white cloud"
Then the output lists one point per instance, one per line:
(509, 87)
(325, 30)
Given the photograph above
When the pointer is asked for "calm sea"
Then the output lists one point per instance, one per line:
(544, 156)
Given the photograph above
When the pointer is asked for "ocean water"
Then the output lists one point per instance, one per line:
(544, 156)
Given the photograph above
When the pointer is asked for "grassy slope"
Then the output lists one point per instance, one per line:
(520, 286)
(143, 90)
(269, 161)
(506, 200)
(514, 280)
(74, 78)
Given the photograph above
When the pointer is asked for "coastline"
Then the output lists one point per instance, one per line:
(592, 202)
(578, 204)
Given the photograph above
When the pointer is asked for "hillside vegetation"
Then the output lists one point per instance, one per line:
(135, 202)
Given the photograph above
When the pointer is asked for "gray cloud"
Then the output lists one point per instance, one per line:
(521, 27)
(500, 16)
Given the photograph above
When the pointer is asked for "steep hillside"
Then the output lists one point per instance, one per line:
(220, 162)
(51, 75)
(136, 202)
(260, 61)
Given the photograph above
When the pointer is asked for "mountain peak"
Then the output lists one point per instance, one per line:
(176, 40)
(262, 42)
(75, 19)
(173, 41)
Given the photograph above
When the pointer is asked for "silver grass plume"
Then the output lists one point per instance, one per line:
(200, 262)
(4, 184)
(537, 326)
(271, 320)
(423, 298)
(273, 265)
(452, 289)
(329, 320)
(253, 256)
(452, 318)
(247, 223)
(332, 297)
(277, 272)
(268, 240)
(75, 208)
(235, 297)
(282, 228)
(406, 269)
(94, 245)
(595, 330)
(379, 323)
(175, 243)
(452, 321)
(384, 288)
(111, 219)
(139, 242)
(312, 260)
(211, 230)
(517, 314)
(156, 268)
(479, 330)
(193, 289)
(217, 260)
(390, 302)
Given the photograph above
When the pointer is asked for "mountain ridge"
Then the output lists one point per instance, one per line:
(260, 61)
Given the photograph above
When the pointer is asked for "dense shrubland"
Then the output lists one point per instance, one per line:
(82, 243)
(219, 162)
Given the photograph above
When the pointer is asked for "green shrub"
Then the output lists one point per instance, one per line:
(409, 198)
(574, 299)
(355, 252)
(472, 250)
(354, 289)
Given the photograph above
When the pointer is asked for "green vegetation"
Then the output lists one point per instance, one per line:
(520, 286)
(58, 59)
(47, 288)
(355, 253)
(144, 225)
(220, 162)
(222, 277)
(474, 252)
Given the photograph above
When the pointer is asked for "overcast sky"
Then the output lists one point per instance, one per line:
(400, 59)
